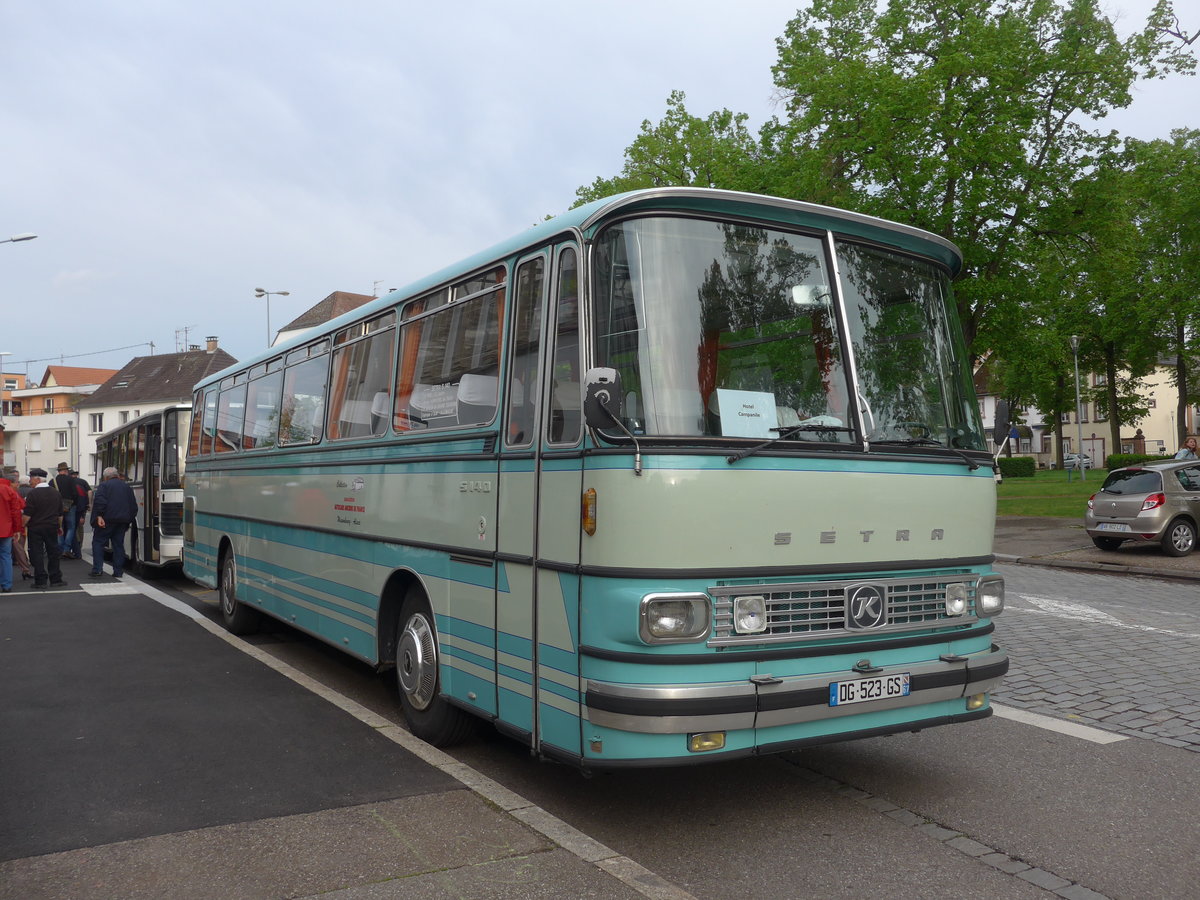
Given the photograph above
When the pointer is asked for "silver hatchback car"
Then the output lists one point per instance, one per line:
(1151, 503)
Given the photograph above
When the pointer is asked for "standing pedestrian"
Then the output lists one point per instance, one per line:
(20, 541)
(43, 518)
(11, 525)
(83, 502)
(66, 489)
(114, 507)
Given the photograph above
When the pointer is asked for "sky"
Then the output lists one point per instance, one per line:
(174, 155)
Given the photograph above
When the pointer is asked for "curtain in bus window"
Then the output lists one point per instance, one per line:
(231, 409)
(194, 431)
(437, 354)
(361, 401)
(208, 421)
(262, 412)
(303, 407)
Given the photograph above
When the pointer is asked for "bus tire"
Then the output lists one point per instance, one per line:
(239, 618)
(429, 716)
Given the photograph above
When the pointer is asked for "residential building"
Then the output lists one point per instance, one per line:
(144, 384)
(41, 424)
(336, 304)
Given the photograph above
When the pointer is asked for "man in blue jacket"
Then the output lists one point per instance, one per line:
(114, 508)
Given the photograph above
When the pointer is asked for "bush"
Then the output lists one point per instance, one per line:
(1017, 466)
(1121, 460)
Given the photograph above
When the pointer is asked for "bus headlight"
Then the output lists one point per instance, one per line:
(956, 599)
(750, 614)
(989, 596)
(674, 618)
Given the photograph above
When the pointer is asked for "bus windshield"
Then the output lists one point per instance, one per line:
(722, 329)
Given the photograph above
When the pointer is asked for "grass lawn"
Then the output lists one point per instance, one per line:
(1048, 493)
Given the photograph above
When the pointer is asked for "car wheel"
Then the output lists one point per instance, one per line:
(1107, 543)
(429, 716)
(1180, 539)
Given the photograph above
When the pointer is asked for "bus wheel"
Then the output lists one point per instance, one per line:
(239, 619)
(429, 716)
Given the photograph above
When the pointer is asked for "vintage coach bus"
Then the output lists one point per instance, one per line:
(680, 475)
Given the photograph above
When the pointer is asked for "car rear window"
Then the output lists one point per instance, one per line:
(1133, 481)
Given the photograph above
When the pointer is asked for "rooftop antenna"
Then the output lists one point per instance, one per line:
(182, 345)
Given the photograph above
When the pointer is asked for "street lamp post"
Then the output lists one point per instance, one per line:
(259, 292)
(1078, 411)
(18, 237)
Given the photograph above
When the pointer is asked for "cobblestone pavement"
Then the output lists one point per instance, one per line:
(1110, 651)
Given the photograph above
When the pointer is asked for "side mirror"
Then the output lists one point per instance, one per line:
(602, 397)
(1002, 422)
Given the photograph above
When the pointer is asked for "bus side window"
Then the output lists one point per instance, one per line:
(526, 337)
(566, 397)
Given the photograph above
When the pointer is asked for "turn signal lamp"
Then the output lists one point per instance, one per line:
(704, 741)
(588, 511)
(976, 701)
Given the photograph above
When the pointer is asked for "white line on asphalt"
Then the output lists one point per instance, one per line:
(633, 875)
(1084, 732)
(1080, 612)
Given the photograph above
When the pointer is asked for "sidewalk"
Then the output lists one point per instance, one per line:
(1043, 541)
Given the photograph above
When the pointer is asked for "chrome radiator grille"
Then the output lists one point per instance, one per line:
(817, 609)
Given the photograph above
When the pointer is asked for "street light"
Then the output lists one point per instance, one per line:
(259, 292)
(1078, 411)
(18, 237)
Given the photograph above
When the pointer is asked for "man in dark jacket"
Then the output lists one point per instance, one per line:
(114, 507)
(43, 517)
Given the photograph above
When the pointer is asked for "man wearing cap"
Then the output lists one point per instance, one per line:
(114, 507)
(42, 518)
(83, 501)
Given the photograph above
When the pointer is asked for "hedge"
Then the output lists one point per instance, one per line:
(1121, 460)
(1017, 466)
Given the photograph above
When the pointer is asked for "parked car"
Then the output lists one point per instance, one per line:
(1148, 503)
(1071, 461)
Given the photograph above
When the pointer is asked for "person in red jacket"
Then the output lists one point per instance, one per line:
(11, 525)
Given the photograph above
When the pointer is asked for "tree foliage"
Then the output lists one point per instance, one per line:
(976, 120)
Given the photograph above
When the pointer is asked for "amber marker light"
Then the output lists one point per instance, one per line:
(976, 701)
(589, 511)
(704, 741)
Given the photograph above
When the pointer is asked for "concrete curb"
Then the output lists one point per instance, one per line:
(1105, 568)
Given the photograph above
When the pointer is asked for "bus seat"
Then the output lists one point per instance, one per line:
(477, 398)
(786, 416)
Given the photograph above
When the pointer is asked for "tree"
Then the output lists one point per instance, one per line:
(960, 116)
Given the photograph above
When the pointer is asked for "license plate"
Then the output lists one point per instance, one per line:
(862, 690)
(1111, 526)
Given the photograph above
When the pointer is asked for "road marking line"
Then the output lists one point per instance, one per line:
(1084, 732)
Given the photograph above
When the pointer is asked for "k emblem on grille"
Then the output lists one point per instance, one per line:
(866, 606)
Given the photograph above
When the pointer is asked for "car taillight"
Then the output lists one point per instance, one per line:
(1154, 501)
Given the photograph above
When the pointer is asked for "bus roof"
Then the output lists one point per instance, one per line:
(588, 218)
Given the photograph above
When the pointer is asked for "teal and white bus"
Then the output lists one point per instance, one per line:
(680, 475)
(148, 452)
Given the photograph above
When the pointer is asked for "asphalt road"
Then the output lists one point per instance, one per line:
(1084, 786)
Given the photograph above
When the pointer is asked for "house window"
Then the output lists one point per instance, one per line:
(123, 415)
(96, 423)
(1026, 445)
(48, 404)
(1099, 380)
(1066, 418)
(10, 384)
(35, 442)
(1083, 407)
(60, 440)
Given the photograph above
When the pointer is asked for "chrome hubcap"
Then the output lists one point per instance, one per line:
(416, 662)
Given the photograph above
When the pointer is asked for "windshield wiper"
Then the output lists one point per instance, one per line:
(929, 442)
(784, 433)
